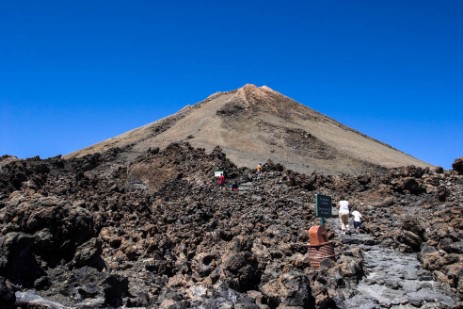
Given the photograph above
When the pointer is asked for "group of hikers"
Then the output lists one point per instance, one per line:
(344, 209)
(221, 181)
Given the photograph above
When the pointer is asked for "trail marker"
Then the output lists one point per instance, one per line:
(323, 207)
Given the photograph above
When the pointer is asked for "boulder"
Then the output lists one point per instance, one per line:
(88, 285)
(7, 296)
(457, 166)
(89, 254)
(410, 239)
(203, 264)
(290, 289)
(242, 269)
(17, 260)
(408, 185)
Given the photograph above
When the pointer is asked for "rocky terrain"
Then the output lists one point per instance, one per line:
(112, 230)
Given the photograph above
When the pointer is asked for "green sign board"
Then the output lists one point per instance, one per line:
(323, 206)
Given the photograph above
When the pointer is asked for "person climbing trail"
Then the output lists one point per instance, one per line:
(259, 170)
(357, 220)
(221, 181)
(343, 206)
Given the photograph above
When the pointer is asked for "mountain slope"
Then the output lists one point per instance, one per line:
(253, 124)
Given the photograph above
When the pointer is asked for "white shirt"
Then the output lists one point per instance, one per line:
(343, 207)
(357, 216)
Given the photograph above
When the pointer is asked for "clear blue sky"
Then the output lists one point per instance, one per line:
(73, 73)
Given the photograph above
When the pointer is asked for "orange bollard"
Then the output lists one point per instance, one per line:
(318, 235)
(319, 247)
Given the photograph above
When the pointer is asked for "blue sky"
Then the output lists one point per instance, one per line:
(73, 73)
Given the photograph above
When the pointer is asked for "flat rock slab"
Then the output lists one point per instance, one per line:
(393, 279)
(397, 280)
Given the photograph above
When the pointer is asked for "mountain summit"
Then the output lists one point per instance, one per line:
(253, 124)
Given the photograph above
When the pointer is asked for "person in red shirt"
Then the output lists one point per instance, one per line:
(222, 181)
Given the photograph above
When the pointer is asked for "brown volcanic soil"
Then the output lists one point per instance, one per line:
(253, 124)
(98, 232)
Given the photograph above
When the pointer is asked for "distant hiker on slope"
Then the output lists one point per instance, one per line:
(343, 207)
(259, 169)
(221, 181)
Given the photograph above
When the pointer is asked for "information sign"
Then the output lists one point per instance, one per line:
(323, 206)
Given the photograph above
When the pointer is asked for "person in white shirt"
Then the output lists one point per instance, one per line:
(343, 206)
(357, 219)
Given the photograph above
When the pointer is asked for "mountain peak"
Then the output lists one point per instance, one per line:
(249, 86)
(250, 90)
(253, 88)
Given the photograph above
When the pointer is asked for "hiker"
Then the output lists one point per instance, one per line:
(234, 187)
(343, 206)
(357, 220)
(221, 181)
(259, 169)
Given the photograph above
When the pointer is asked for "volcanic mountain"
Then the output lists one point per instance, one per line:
(136, 222)
(253, 124)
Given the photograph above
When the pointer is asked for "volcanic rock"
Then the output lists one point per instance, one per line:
(458, 166)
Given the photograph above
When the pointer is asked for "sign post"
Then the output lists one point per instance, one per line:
(323, 207)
